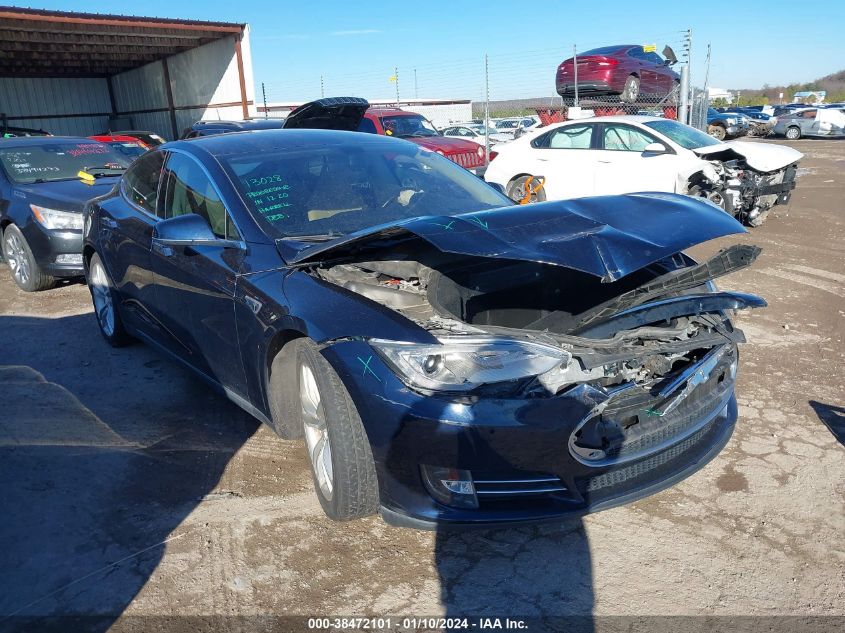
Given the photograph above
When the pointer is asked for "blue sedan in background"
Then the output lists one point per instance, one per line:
(448, 357)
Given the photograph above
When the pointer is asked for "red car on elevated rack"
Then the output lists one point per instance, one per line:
(417, 129)
(627, 70)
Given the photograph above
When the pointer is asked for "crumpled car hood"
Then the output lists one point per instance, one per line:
(760, 156)
(606, 236)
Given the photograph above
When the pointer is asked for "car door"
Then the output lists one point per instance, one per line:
(126, 224)
(622, 165)
(664, 80)
(809, 122)
(196, 284)
(564, 156)
(644, 69)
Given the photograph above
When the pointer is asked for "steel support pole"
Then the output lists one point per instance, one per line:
(683, 111)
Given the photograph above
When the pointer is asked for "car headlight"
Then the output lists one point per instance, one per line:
(731, 121)
(55, 219)
(463, 363)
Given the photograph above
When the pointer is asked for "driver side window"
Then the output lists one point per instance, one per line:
(189, 190)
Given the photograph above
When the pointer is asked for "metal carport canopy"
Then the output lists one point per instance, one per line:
(38, 43)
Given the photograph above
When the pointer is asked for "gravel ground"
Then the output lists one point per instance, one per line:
(127, 487)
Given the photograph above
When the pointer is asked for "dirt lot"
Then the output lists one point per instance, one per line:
(128, 488)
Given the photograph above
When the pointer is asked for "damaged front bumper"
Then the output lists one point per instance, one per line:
(528, 459)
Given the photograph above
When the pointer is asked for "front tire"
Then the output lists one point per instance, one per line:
(105, 299)
(339, 451)
(717, 131)
(793, 133)
(631, 91)
(26, 272)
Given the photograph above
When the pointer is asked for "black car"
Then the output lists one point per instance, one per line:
(207, 128)
(44, 183)
(448, 357)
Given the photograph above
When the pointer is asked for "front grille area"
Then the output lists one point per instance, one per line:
(620, 476)
(632, 427)
(465, 159)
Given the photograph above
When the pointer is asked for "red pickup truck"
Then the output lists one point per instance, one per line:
(417, 129)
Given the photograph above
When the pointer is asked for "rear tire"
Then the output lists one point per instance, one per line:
(793, 133)
(339, 452)
(106, 300)
(631, 91)
(26, 272)
(717, 131)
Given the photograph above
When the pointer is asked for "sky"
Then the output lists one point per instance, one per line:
(303, 50)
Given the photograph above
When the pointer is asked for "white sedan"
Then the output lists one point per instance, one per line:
(627, 154)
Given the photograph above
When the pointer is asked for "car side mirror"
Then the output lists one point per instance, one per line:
(188, 229)
(497, 187)
(655, 148)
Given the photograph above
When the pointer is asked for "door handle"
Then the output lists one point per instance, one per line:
(162, 249)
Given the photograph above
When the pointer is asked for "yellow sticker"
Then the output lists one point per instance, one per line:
(650, 48)
(85, 177)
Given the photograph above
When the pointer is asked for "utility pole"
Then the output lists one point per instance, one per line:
(264, 98)
(416, 91)
(706, 85)
(322, 88)
(575, 67)
(688, 53)
(396, 77)
(486, 111)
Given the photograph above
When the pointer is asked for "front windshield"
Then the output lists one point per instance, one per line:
(328, 191)
(52, 161)
(684, 135)
(408, 126)
(506, 125)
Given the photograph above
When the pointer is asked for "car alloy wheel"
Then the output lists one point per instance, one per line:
(106, 302)
(316, 430)
(793, 133)
(717, 132)
(631, 90)
(102, 297)
(17, 258)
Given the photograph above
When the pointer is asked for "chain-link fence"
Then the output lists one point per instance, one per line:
(448, 90)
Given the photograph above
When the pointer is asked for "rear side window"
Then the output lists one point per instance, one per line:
(569, 137)
(189, 190)
(140, 182)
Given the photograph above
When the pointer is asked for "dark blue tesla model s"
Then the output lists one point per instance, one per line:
(447, 357)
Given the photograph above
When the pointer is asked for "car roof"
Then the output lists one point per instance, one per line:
(257, 124)
(255, 142)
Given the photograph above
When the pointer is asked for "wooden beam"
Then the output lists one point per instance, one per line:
(241, 79)
(8, 13)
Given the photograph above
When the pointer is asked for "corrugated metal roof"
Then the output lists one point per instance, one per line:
(40, 43)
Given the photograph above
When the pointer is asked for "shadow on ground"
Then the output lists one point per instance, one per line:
(832, 417)
(103, 453)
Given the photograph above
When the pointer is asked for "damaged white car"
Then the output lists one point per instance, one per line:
(627, 154)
